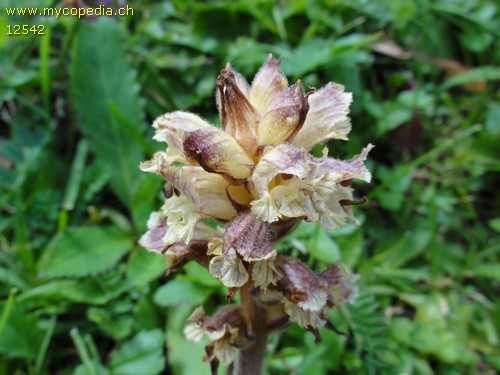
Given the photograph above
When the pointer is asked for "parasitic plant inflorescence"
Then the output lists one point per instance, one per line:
(256, 177)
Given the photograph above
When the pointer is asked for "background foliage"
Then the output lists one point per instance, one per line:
(79, 296)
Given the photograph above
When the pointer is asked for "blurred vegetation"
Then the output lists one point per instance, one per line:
(79, 296)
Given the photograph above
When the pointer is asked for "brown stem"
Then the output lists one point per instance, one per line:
(250, 360)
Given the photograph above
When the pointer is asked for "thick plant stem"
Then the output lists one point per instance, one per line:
(250, 360)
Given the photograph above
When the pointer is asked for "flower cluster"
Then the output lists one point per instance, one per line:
(256, 176)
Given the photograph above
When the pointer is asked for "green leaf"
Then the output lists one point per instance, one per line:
(79, 291)
(145, 200)
(144, 266)
(484, 73)
(370, 332)
(490, 271)
(118, 327)
(141, 355)
(21, 337)
(178, 347)
(76, 175)
(84, 251)
(323, 247)
(178, 292)
(105, 92)
(12, 278)
(495, 224)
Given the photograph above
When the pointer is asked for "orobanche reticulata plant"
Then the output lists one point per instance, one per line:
(255, 176)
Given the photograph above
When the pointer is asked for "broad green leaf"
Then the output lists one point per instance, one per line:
(178, 292)
(80, 291)
(495, 224)
(145, 200)
(143, 355)
(118, 327)
(84, 251)
(490, 271)
(196, 273)
(323, 247)
(144, 266)
(12, 278)
(21, 337)
(104, 85)
(185, 357)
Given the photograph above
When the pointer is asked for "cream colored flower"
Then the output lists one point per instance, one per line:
(255, 175)
(226, 330)
(258, 161)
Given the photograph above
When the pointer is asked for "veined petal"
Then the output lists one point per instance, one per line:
(180, 253)
(327, 117)
(333, 214)
(250, 237)
(182, 216)
(340, 284)
(216, 151)
(155, 164)
(239, 118)
(349, 169)
(194, 329)
(284, 117)
(229, 269)
(302, 286)
(291, 200)
(224, 351)
(285, 159)
(264, 272)
(152, 240)
(265, 208)
(207, 191)
(268, 81)
(304, 318)
(171, 127)
(295, 200)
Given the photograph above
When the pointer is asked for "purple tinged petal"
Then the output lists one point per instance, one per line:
(216, 151)
(348, 169)
(284, 117)
(152, 239)
(302, 286)
(171, 128)
(268, 81)
(327, 117)
(334, 275)
(284, 158)
(250, 237)
(229, 269)
(206, 190)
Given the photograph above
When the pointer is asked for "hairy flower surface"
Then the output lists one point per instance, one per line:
(255, 175)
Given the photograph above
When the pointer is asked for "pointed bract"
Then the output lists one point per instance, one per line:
(216, 151)
(239, 118)
(284, 116)
(207, 191)
(268, 82)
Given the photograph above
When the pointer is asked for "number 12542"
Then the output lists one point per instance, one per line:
(25, 29)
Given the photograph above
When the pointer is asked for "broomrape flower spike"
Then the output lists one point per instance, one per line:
(255, 176)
